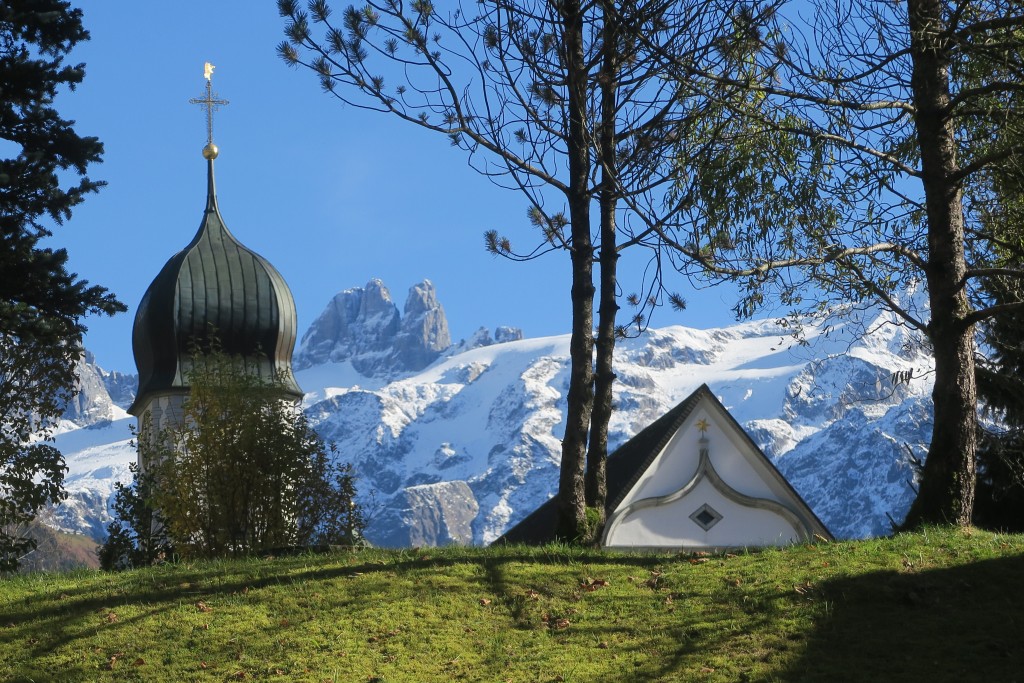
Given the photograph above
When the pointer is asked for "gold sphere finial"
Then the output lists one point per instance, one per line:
(210, 152)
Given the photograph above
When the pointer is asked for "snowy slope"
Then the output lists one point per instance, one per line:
(97, 457)
(492, 418)
(468, 446)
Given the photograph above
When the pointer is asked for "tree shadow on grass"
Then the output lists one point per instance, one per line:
(688, 620)
(964, 623)
(960, 624)
(63, 616)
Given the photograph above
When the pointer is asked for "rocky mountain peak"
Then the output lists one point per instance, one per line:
(504, 334)
(362, 325)
(482, 337)
(375, 303)
(100, 396)
(422, 299)
(424, 330)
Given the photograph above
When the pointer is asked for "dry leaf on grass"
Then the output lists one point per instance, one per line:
(590, 584)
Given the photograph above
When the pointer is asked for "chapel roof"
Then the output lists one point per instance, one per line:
(213, 288)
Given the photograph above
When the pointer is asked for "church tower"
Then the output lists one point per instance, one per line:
(214, 286)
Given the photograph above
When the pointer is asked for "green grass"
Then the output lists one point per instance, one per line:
(942, 605)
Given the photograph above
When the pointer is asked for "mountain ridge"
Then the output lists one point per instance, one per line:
(468, 444)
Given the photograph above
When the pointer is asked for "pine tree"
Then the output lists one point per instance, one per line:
(999, 201)
(999, 499)
(41, 303)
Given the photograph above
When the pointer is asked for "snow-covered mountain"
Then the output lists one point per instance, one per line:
(94, 436)
(459, 446)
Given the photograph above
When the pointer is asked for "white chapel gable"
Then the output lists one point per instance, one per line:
(709, 486)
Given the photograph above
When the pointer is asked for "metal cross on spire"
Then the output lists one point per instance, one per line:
(211, 102)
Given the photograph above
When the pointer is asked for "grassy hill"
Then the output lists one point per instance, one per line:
(941, 605)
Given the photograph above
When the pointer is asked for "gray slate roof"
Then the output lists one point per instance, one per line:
(215, 284)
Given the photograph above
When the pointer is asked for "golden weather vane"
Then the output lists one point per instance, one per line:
(212, 103)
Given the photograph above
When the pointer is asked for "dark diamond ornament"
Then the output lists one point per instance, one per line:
(706, 517)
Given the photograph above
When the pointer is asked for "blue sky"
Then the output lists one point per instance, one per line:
(333, 196)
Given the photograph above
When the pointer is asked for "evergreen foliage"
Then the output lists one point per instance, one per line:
(1000, 494)
(242, 472)
(41, 303)
(999, 200)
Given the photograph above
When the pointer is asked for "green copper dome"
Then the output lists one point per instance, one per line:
(214, 285)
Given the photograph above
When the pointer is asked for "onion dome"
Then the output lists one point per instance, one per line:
(214, 287)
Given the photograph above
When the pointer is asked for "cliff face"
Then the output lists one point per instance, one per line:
(423, 333)
(362, 325)
(101, 395)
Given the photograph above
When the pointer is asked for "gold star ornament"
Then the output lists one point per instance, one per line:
(702, 425)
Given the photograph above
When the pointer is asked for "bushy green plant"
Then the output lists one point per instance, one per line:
(134, 538)
(242, 472)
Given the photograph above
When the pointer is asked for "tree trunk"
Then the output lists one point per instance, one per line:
(946, 493)
(571, 502)
(596, 485)
(604, 376)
